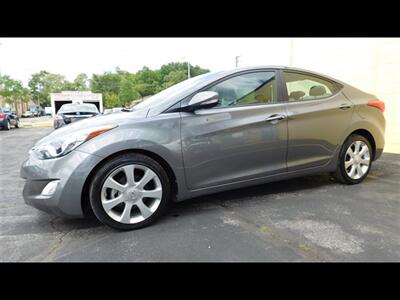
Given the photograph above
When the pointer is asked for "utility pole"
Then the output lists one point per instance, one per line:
(237, 61)
(188, 67)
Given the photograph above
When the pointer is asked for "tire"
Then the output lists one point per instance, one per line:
(343, 174)
(99, 191)
(8, 125)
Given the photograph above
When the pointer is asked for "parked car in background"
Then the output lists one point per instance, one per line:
(69, 113)
(214, 132)
(8, 118)
(28, 114)
(47, 110)
(38, 112)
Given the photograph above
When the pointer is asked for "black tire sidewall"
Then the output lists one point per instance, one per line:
(342, 158)
(8, 125)
(106, 169)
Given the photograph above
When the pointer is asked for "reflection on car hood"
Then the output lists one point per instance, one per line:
(99, 120)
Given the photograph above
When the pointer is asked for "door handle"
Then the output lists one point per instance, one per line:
(275, 118)
(344, 106)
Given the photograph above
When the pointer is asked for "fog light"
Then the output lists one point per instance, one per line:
(50, 188)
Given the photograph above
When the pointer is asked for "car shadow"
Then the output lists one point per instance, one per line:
(228, 198)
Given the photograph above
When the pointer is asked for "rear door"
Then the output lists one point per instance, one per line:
(243, 138)
(318, 114)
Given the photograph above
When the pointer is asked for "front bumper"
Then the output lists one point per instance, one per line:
(71, 170)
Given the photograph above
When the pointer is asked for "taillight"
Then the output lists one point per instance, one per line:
(2, 115)
(378, 104)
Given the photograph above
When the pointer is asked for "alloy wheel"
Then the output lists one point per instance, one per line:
(131, 193)
(357, 160)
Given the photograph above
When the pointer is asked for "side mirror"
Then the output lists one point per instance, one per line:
(202, 100)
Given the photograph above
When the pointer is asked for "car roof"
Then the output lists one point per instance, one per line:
(280, 67)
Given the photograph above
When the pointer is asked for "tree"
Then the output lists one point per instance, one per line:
(13, 91)
(128, 92)
(111, 100)
(148, 82)
(43, 83)
(81, 82)
(174, 77)
(105, 83)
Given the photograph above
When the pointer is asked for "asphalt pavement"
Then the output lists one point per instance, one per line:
(305, 219)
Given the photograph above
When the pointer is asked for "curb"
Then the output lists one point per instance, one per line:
(36, 125)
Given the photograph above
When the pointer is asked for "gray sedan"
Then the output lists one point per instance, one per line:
(211, 133)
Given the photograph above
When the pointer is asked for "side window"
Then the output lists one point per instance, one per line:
(304, 87)
(247, 89)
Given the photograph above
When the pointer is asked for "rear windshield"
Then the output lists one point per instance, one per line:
(5, 110)
(69, 108)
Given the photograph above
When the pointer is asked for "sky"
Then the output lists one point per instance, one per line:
(21, 57)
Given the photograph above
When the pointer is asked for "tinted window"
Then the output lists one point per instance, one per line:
(247, 89)
(305, 87)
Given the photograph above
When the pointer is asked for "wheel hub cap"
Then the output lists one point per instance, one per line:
(131, 193)
(357, 160)
(134, 194)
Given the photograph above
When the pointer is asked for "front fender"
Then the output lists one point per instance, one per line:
(159, 135)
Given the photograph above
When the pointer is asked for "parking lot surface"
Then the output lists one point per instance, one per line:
(305, 219)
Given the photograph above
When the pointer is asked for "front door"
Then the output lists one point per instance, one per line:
(244, 137)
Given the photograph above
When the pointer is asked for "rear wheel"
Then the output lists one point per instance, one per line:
(129, 192)
(354, 160)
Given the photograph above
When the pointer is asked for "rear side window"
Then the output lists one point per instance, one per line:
(301, 87)
(247, 89)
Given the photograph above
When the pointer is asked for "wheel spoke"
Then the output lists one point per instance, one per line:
(350, 152)
(126, 214)
(359, 171)
(157, 193)
(128, 170)
(144, 210)
(364, 162)
(109, 204)
(112, 184)
(357, 146)
(352, 170)
(147, 177)
(364, 150)
(348, 163)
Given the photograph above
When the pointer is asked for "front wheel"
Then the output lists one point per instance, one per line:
(130, 191)
(354, 160)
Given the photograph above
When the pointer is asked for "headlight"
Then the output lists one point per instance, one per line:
(64, 145)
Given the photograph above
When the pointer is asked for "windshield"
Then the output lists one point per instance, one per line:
(68, 108)
(175, 91)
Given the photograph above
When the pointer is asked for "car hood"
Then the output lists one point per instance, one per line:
(119, 118)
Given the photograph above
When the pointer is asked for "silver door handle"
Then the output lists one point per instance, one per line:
(275, 118)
